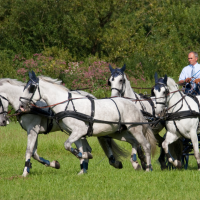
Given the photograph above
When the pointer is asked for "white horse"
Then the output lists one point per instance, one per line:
(120, 86)
(182, 115)
(37, 122)
(80, 116)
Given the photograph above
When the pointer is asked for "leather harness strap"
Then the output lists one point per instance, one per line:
(90, 128)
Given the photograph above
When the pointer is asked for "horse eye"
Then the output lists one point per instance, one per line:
(120, 81)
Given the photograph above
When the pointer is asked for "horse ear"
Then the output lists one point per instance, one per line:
(34, 77)
(30, 75)
(156, 77)
(123, 68)
(165, 79)
(111, 69)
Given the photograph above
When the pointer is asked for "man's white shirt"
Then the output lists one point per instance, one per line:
(186, 72)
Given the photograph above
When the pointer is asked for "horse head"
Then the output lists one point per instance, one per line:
(117, 80)
(160, 91)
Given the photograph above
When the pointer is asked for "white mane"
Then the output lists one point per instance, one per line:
(53, 81)
(171, 84)
(12, 82)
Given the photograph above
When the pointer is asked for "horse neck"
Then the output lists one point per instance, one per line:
(13, 93)
(129, 91)
(173, 99)
(54, 94)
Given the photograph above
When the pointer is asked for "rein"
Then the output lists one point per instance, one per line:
(57, 103)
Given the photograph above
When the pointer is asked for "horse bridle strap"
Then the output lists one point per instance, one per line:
(90, 128)
(36, 86)
(1, 104)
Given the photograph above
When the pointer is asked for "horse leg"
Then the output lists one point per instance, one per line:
(127, 137)
(108, 145)
(47, 163)
(75, 137)
(161, 159)
(86, 148)
(31, 140)
(139, 136)
(170, 138)
(195, 143)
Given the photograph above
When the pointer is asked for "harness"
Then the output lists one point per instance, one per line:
(151, 103)
(34, 85)
(88, 118)
(49, 114)
(149, 117)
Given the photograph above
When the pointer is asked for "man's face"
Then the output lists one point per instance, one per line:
(192, 59)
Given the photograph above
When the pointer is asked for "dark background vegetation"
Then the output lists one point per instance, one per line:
(147, 35)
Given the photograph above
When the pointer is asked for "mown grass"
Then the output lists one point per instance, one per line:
(101, 182)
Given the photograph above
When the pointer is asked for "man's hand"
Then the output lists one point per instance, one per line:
(187, 80)
(197, 80)
(181, 82)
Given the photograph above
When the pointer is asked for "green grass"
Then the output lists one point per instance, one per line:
(101, 182)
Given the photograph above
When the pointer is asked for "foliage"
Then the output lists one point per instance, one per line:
(91, 75)
(6, 68)
(157, 34)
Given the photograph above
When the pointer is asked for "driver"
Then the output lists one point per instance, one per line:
(192, 71)
(190, 74)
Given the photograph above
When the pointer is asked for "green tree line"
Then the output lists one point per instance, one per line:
(157, 34)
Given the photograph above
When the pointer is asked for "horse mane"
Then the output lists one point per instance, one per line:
(53, 81)
(11, 81)
(171, 84)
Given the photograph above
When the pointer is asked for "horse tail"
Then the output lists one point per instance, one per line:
(109, 147)
(148, 133)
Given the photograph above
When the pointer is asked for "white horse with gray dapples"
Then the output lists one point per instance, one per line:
(183, 112)
(109, 112)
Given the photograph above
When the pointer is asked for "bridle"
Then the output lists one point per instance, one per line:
(34, 85)
(1, 105)
(115, 74)
(158, 86)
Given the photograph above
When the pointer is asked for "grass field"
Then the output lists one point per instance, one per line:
(101, 182)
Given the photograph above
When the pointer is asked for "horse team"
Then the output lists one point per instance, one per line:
(126, 116)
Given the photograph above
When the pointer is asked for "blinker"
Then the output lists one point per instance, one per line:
(159, 84)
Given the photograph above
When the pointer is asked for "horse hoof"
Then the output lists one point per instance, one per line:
(143, 165)
(89, 155)
(116, 164)
(179, 165)
(120, 165)
(135, 165)
(57, 165)
(138, 168)
(83, 171)
(25, 174)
